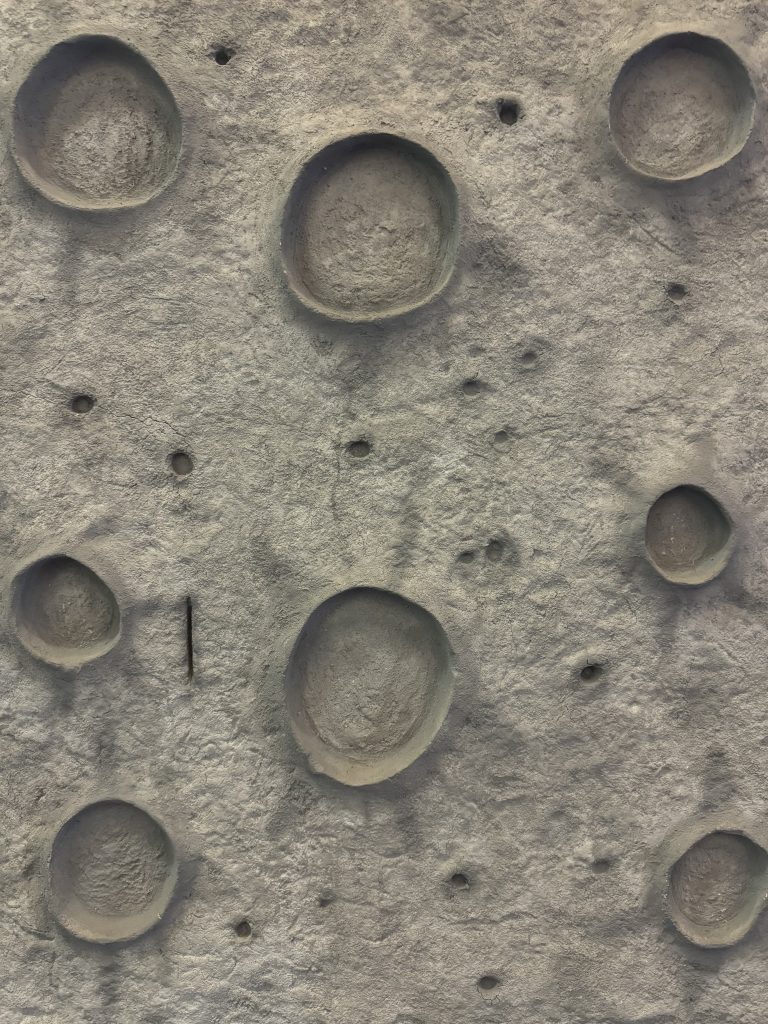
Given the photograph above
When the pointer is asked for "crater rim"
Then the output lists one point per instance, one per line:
(338, 146)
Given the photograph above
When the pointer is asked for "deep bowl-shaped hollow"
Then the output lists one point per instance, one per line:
(370, 228)
(64, 613)
(717, 888)
(113, 872)
(368, 684)
(681, 106)
(95, 127)
(688, 536)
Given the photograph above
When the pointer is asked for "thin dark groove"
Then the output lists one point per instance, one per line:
(190, 646)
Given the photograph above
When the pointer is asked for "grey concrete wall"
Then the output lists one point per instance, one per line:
(437, 375)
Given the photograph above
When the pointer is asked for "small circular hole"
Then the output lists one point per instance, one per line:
(676, 291)
(501, 438)
(82, 403)
(473, 387)
(223, 55)
(601, 865)
(243, 929)
(325, 900)
(494, 550)
(466, 556)
(590, 672)
(508, 111)
(182, 464)
(529, 358)
(459, 881)
(359, 449)
(487, 982)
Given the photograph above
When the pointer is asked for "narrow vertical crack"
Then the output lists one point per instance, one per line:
(190, 643)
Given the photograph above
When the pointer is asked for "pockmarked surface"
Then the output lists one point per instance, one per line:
(384, 599)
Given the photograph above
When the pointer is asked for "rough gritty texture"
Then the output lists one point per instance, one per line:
(368, 685)
(593, 393)
(370, 227)
(717, 879)
(95, 126)
(110, 863)
(62, 610)
(681, 105)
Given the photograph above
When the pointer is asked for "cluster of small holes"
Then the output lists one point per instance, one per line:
(493, 551)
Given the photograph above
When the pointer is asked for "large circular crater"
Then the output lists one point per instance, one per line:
(112, 872)
(717, 888)
(681, 106)
(64, 613)
(370, 228)
(688, 536)
(95, 126)
(368, 685)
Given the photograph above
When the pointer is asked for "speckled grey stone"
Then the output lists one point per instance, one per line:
(601, 341)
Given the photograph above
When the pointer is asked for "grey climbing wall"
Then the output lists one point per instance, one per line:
(383, 509)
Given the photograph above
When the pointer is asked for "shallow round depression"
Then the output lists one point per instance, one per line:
(370, 228)
(64, 613)
(717, 888)
(688, 536)
(112, 871)
(368, 685)
(95, 126)
(681, 106)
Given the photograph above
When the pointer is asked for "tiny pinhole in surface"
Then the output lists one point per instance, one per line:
(591, 671)
(82, 403)
(508, 111)
(676, 291)
(465, 557)
(494, 550)
(223, 55)
(181, 463)
(325, 899)
(243, 929)
(473, 386)
(459, 881)
(488, 982)
(359, 449)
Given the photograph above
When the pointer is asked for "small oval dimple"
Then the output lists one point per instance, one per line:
(688, 536)
(717, 888)
(95, 126)
(368, 684)
(370, 228)
(112, 871)
(681, 106)
(64, 613)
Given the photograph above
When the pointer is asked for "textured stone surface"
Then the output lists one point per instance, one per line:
(601, 342)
